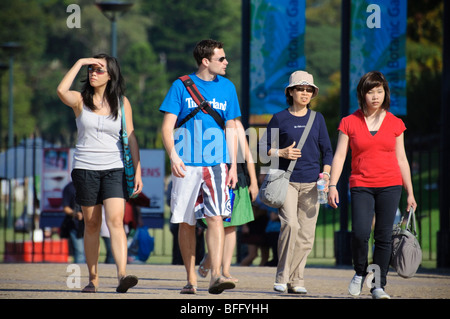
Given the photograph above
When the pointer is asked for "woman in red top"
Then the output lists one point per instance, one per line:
(379, 170)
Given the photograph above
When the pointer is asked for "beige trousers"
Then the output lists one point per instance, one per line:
(298, 218)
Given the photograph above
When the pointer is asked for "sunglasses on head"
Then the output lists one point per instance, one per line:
(301, 89)
(98, 71)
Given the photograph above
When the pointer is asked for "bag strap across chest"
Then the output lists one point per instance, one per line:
(301, 142)
(203, 105)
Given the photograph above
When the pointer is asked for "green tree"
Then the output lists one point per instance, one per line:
(323, 41)
(155, 42)
(147, 85)
(179, 25)
(424, 67)
(23, 22)
(66, 46)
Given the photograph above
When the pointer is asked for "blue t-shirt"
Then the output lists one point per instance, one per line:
(317, 149)
(201, 141)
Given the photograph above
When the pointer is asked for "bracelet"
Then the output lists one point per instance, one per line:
(331, 186)
(326, 173)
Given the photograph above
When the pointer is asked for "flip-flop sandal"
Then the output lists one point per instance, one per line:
(220, 285)
(189, 290)
(202, 271)
(90, 288)
(126, 283)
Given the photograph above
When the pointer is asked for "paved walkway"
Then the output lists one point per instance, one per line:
(60, 281)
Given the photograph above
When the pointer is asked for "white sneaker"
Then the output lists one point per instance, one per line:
(379, 293)
(297, 290)
(279, 287)
(355, 286)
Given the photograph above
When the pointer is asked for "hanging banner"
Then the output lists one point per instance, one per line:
(378, 43)
(277, 29)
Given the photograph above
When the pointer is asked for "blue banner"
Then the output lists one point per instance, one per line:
(276, 50)
(378, 43)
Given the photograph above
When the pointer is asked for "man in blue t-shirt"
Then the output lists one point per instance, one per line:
(199, 151)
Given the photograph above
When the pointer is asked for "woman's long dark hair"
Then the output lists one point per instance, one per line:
(115, 88)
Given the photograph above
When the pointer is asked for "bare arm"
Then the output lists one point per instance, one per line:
(336, 169)
(232, 144)
(69, 97)
(253, 187)
(405, 171)
(177, 165)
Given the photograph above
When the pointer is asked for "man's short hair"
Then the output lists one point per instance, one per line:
(205, 49)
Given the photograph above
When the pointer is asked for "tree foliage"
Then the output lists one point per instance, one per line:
(147, 85)
(155, 42)
(424, 66)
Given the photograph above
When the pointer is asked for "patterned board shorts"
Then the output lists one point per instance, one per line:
(201, 193)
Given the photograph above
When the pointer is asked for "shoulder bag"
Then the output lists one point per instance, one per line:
(274, 187)
(406, 255)
(127, 159)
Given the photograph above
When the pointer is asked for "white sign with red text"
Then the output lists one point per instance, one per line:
(152, 170)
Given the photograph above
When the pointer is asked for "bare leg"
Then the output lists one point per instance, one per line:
(114, 212)
(92, 216)
(215, 237)
(187, 242)
(205, 265)
(230, 244)
(251, 255)
(264, 255)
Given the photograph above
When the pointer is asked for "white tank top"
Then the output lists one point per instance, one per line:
(99, 145)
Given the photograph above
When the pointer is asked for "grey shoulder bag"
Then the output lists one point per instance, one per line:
(406, 255)
(274, 187)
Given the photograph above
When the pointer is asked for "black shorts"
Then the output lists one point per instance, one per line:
(93, 187)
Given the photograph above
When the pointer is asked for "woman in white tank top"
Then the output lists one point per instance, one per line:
(98, 168)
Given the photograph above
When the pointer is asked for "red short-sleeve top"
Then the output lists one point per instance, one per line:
(374, 160)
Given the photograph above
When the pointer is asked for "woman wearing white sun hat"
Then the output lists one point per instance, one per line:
(299, 213)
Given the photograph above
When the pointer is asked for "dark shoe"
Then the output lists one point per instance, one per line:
(90, 288)
(189, 290)
(220, 285)
(126, 283)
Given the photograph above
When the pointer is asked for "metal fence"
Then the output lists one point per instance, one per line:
(21, 238)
